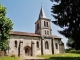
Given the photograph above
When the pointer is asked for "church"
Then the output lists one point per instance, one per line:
(42, 42)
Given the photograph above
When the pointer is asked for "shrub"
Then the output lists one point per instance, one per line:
(13, 55)
(72, 51)
(78, 51)
(67, 50)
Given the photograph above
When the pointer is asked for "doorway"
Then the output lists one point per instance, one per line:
(27, 50)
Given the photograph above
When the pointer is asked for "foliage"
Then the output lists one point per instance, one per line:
(13, 55)
(75, 51)
(67, 16)
(9, 58)
(68, 50)
(71, 43)
(66, 56)
(78, 51)
(5, 27)
(72, 51)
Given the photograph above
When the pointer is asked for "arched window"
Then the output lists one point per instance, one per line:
(56, 45)
(44, 23)
(45, 31)
(37, 43)
(15, 43)
(46, 45)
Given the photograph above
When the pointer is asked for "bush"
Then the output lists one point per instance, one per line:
(78, 51)
(13, 55)
(67, 50)
(72, 51)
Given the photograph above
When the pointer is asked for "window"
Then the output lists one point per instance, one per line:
(45, 24)
(15, 44)
(37, 43)
(56, 45)
(46, 45)
(45, 31)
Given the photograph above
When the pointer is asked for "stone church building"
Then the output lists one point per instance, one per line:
(41, 42)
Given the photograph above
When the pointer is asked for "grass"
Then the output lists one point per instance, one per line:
(65, 56)
(9, 58)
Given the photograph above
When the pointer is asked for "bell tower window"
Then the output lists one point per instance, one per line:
(45, 24)
(45, 31)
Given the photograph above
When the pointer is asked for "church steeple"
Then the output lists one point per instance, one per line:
(42, 14)
(42, 25)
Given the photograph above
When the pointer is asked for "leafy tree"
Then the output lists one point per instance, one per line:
(5, 27)
(71, 43)
(67, 16)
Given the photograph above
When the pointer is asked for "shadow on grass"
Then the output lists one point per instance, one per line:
(64, 58)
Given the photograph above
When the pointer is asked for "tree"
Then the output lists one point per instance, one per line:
(5, 27)
(67, 16)
(71, 43)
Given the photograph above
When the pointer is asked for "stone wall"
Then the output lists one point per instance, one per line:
(47, 51)
(26, 42)
(56, 41)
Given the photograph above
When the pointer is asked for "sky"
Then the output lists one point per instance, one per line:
(24, 14)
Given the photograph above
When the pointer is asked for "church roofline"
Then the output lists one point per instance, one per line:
(29, 34)
(56, 37)
(23, 33)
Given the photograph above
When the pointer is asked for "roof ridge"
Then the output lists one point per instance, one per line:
(23, 32)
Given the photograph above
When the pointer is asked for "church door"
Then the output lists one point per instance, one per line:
(27, 50)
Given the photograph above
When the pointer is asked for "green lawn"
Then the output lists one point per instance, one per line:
(66, 56)
(9, 58)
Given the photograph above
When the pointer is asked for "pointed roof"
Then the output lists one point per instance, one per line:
(42, 14)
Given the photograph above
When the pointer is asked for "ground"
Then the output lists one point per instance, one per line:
(65, 56)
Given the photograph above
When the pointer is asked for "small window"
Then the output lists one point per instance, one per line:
(15, 44)
(37, 43)
(45, 31)
(46, 24)
(56, 45)
(46, 45)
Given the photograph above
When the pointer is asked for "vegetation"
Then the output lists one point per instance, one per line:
(67, 16)
(65, 56)
(71, 43)
(9, 58)
(72, 51)
(5, 27)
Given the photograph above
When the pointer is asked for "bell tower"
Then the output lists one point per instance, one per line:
(42, 25)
